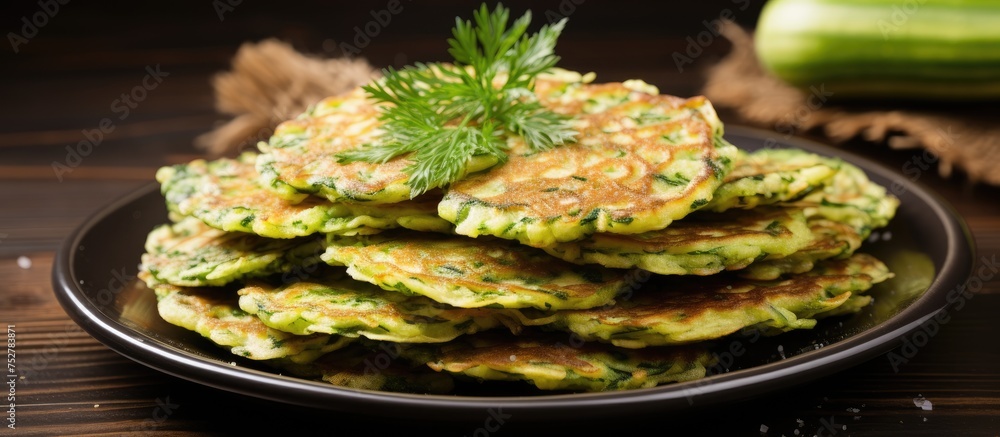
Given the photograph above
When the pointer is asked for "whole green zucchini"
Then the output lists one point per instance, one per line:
(937, 49)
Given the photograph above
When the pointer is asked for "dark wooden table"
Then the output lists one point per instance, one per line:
(66, 78)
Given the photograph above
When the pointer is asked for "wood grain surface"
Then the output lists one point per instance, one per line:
(65, 79)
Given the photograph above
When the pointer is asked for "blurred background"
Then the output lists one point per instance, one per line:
(86, 55)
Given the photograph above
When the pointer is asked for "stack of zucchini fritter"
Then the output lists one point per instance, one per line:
(604, 264)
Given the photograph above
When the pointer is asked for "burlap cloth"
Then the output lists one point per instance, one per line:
(270, 82)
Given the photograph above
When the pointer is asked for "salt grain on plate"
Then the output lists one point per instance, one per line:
(24, 262)
(923, 403)
(763, 428)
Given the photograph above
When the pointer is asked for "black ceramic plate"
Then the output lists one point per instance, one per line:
(94, 279)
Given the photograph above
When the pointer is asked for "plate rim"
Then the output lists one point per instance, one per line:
(712, 390)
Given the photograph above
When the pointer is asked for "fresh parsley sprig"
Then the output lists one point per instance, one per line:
(443, 115)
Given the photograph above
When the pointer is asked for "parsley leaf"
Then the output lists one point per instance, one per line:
(444, 115)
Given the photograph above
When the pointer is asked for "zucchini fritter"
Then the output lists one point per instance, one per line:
(300, 158)
(550, 364)
(214, 314)
(691, 309)
(831, 239)
(854, 199)
(473, 273)
(642, 161)
(769, 176)
(191, 254)
(357, 309)
(701, 244)
(226, 194)
(370, 367)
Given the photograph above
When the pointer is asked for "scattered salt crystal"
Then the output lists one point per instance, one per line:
(801, 423)
(887, 236)
(24, 262)
(97, 405)
(781, 351)
(925, 419)
(513, 358)
(854, 410)
(844, 427)
(924, 404)
(796, 432)
(763, 428)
